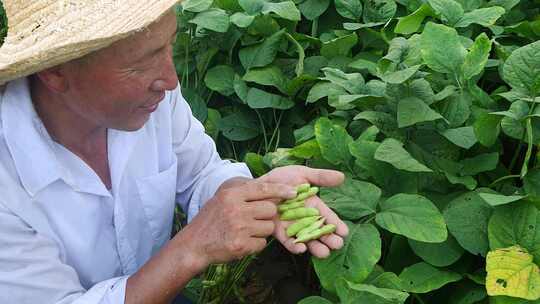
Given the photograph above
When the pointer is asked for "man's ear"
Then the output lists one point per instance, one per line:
(54, 79)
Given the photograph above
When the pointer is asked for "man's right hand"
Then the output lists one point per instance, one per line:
(235, 222)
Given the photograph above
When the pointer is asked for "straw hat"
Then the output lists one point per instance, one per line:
(46, 33)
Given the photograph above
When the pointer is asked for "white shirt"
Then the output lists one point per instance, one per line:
(64, 238)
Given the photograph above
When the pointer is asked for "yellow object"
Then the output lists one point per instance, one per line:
(512, 272)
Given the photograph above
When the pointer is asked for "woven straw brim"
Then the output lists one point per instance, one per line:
(46, 33)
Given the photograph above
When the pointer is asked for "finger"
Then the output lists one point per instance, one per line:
(261, 210)
(256, 191)
(322, 177)
(256, 245)
(287, 242)
(332, 241)
(330, 216)
(262, 229)
(318, 249)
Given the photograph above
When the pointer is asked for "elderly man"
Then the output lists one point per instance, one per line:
(96, 146)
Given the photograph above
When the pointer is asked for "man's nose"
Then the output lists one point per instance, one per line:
(168, 79)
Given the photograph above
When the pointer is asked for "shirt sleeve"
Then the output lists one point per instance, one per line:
(31, 270)
(200, 169)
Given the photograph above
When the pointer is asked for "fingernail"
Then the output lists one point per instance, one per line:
(291, 193)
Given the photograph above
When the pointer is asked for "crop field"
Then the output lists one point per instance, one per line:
(430, 108)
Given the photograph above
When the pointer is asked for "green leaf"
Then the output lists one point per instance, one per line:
(340, 46)
(457, 109)
(214, 19)
(449, 10)
(468, 181)
(314, 300)
(282, 157)
(196, 103)
(412, 23)
(239, 126)
(467, 218)
(256, 164)
(269, 76)
(221, 79)
(400, 76)
(211, 123)
(423, 278)
(413, 216)
(522, 69)
(487, 128)
(259, 99)
(391, 151)
(438, 254)
(286, 10)
(352, 200)
(468, 294)
(482, 16)
(196, 6)
(441, 48)
(463, 137)
(511, 272)
(262, 54)
(413, 110)
(352, 293)
(480, 163)
(379, 10)
(353, 83)
(516, 224)
(495, 199)
(307, 150)
(252, 7)
(531, 183)
(383, 121)
(351, 9)
(240, 88)
(354, 262)
(324, 89)
(333, 141)
(476, 59)
(242, 20)
(312, 9)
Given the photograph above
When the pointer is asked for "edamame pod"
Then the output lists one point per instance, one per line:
(302, 196)
(302, 188)
(313, 235)
(294, 205)
(293, 229)
(314, 226)
(305, 195)
(299, 213)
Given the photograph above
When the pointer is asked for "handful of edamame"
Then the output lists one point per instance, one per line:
(309, 224)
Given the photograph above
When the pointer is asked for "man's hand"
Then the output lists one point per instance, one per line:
(296, 175)
(236, 221)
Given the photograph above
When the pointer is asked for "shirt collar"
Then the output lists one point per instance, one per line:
(27, 139)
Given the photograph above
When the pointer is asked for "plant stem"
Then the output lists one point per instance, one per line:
(315, 27)
(503, 178)
(261, 121)
(417, 297)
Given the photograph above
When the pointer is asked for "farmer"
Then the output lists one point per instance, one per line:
(97, 145)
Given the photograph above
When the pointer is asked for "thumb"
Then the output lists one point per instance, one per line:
(323, 177)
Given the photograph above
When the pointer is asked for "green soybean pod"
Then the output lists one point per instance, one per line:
(300, 224)
(313, 235)
(318, 224)
(302, 188)
(294, 205)
(305, 195)
(299, 213)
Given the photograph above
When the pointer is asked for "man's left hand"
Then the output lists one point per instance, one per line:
(296, 175)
